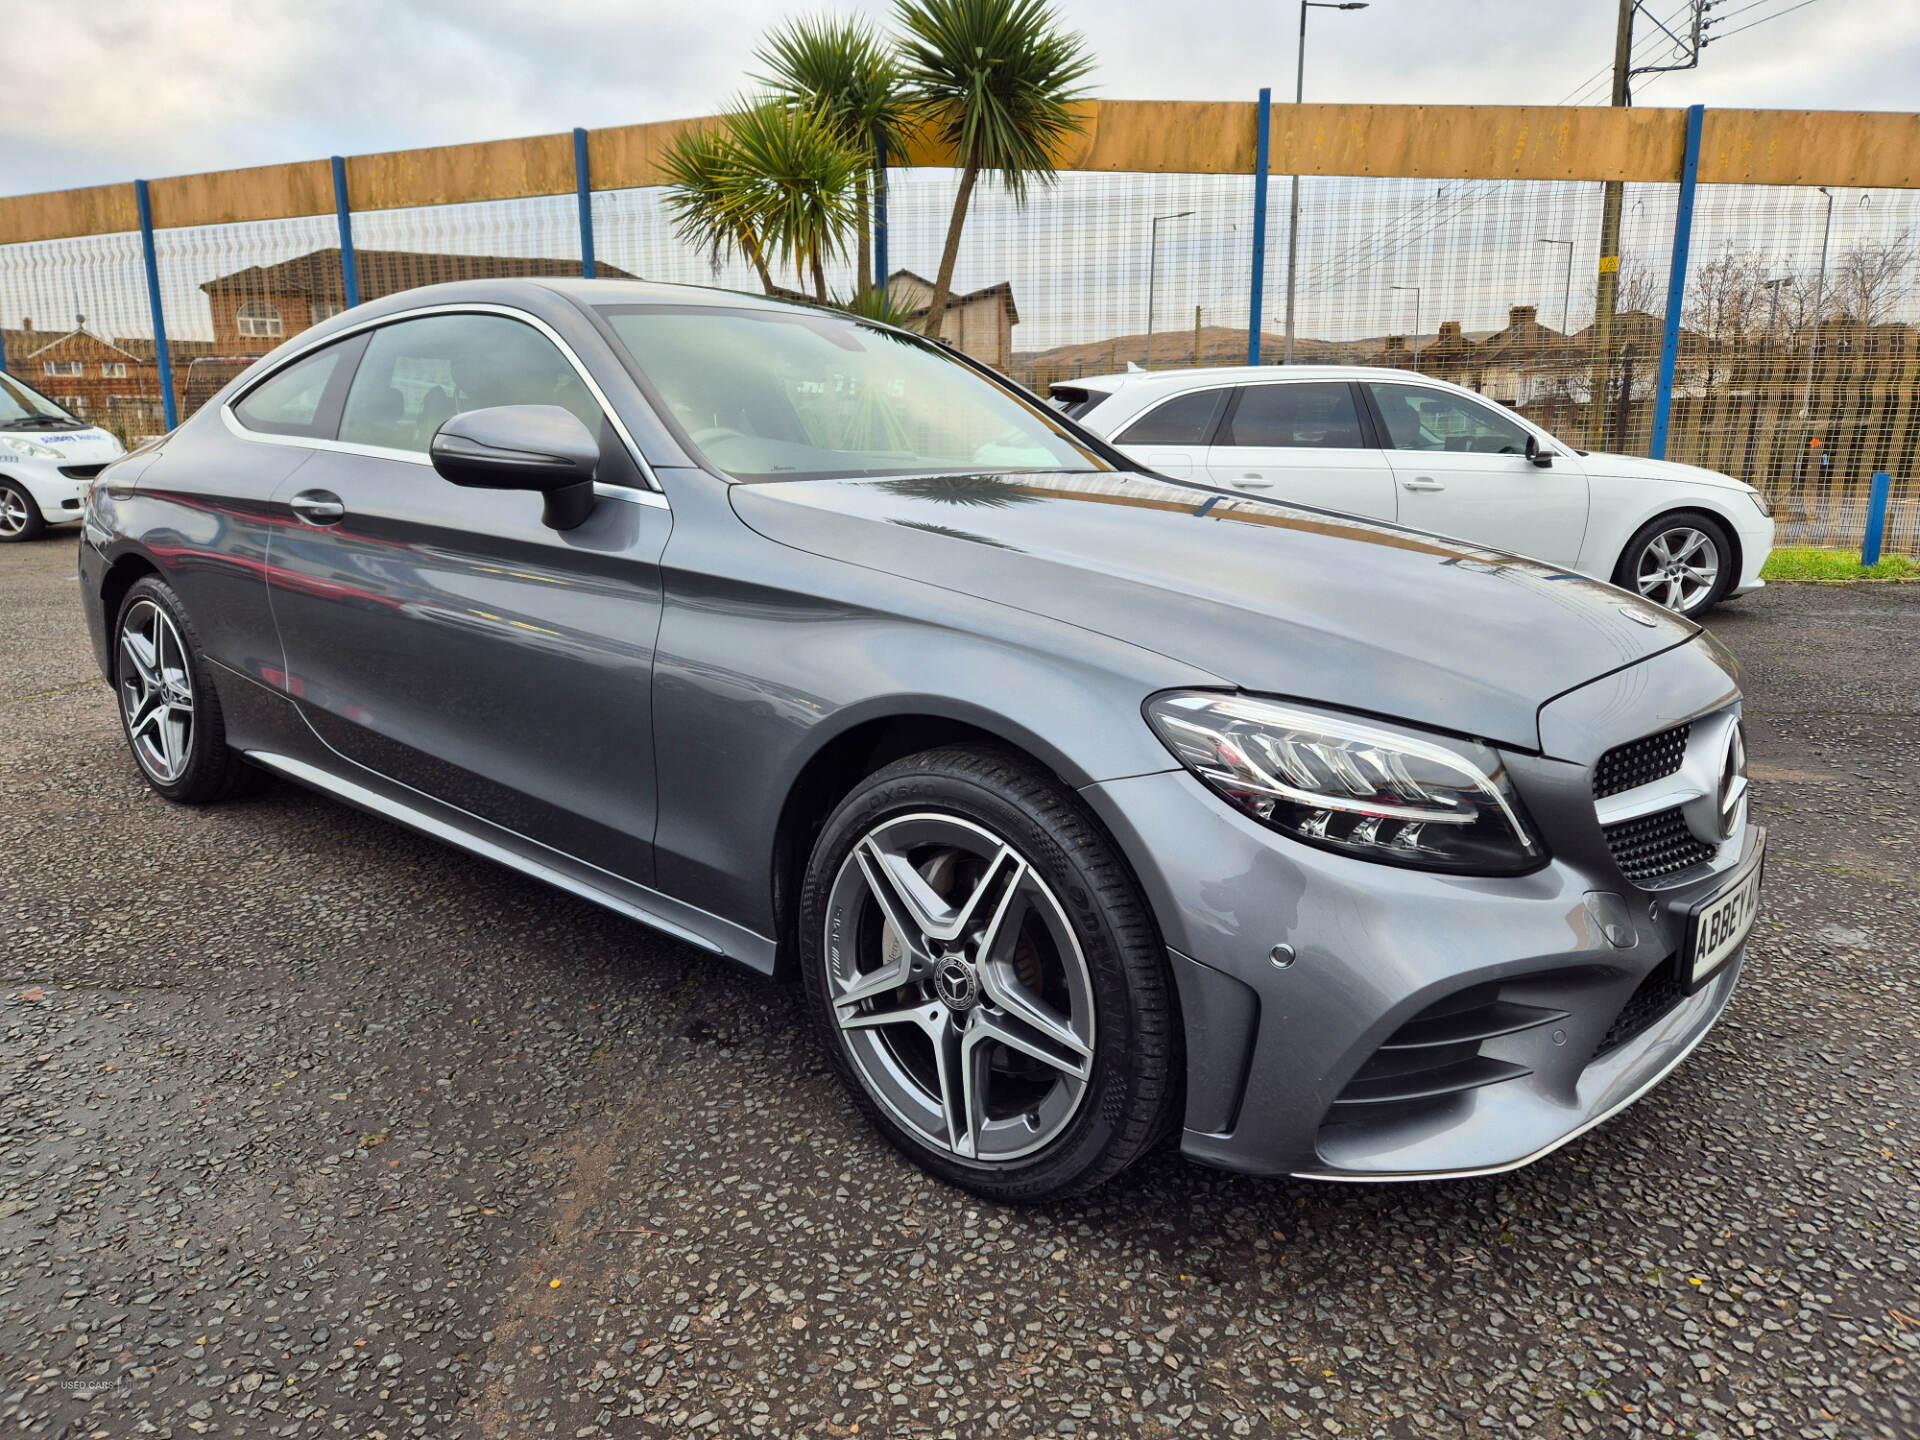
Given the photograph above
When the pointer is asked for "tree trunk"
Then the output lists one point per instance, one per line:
(943, 286)
(819, 279)
(862, 275)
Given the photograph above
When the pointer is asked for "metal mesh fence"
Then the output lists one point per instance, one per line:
(1796, 364)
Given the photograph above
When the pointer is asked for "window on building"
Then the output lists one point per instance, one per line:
(76, 403)
(325, 310)
(114, 369)
(65, 367)
(259, 320)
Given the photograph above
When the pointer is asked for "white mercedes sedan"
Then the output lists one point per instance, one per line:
(1397, 445)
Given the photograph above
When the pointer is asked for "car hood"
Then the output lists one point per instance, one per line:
(1638, 467)
(1265, 596)
(77, 447)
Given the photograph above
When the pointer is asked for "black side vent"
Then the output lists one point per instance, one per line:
(1651, 846)
(1629, 766)
(1436, 1054)
(1651, 1001)
(82, 472)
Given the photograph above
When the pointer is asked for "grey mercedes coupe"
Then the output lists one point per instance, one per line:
(1090, 807)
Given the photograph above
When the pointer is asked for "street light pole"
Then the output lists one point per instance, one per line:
(1416, 319)
(1153, 257)
(1293, 206)
(1566, 290)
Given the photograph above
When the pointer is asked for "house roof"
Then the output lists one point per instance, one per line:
(67, 335)
(1002, 291)
(318, 276)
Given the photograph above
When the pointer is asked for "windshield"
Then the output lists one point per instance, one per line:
(22, 408)
(793, 395)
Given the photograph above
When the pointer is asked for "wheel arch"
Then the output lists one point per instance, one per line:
(1667, 513)
(857, 748)
(121, 576)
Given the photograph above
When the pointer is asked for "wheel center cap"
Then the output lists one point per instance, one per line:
(957, 983)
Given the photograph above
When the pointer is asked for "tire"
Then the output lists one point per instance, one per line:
(1644, 569)
(169, 710)
(20, 517)
(1050, 990)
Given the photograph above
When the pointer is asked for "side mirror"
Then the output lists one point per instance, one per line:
(523, 447)
(1537, 456)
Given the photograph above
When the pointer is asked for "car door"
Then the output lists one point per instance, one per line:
(1463, 471)
(448, 640)
(1303, 440)
(1171, 437)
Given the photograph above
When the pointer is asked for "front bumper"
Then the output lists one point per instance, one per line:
(1566, 979)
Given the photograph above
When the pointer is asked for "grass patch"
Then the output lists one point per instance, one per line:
(1804, 562)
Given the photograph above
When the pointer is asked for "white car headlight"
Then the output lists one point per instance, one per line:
(1417, 799)
(32, 449)
(1760, 503)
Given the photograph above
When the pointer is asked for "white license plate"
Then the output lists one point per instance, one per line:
(1721, 924)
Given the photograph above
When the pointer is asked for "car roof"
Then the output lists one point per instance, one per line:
(1174, 380)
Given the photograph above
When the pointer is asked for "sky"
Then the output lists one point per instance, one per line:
(109, 90)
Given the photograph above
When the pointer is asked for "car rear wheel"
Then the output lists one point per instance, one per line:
(1683, 561)
(20, 518)
(169, 709)
(990, 982)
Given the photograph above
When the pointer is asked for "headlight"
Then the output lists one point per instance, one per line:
(32, 449)
(1760, 503)
(1356, 787)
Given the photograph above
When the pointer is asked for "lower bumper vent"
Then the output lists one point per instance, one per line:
(1650, 1002)
(1436, 1055)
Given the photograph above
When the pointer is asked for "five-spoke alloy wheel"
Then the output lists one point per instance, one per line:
(168, 706)
(1684, 562)
(20, 518)
(987, 974)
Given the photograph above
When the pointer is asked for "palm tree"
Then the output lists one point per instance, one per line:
(800, 175)
(770, 182)
(846, 71)
(997, 80)
(708, 200)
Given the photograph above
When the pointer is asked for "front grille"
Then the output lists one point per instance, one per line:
(82, 472)
(1638, 762)
(1650, 846)
(1656, 995)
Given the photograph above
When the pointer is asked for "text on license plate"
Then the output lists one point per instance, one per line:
(1721, 927)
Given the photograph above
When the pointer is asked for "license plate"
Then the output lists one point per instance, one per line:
(1721, 924)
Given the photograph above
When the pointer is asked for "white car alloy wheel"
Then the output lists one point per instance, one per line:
(156, 692)
(19, 519)
(960, 988)
(1678, 567)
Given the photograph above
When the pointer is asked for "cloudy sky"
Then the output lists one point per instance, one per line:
(106, 90)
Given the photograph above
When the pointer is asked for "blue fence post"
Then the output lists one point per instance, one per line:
(3, 352)
(880, 214)
(583, 185)
(160, 353)
(1258, 297)
(349, 266)
(1676, 283)
(1876, 517)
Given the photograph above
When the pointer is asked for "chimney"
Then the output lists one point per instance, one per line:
(1521, 315)
(27, 324)
(1450, 330)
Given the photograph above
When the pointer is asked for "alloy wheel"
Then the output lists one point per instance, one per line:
(959, 987)
(156, 692)
(14, 514)
(1678, 568)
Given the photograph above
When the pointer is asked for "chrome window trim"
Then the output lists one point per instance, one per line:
(652, 496)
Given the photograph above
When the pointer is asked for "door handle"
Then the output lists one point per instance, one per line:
(1425, 482)
(1255, 481)
(318, 507)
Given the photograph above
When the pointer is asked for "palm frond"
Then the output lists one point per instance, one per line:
(845, 70)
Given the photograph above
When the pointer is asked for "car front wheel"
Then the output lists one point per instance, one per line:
(1684, 562)
(988, 978)
(20, 518)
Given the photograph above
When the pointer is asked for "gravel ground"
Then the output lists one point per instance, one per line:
(310, 1127)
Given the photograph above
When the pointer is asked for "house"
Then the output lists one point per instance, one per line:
(96, 378)
(979, 322)
(257, 308)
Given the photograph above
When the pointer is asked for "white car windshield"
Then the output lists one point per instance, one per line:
(793, 395)
(24, 408)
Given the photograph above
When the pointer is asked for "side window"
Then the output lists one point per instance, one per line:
(294, 401)
(1183, 420)
(419, 374)
(1420, 419)
(1315, 415)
